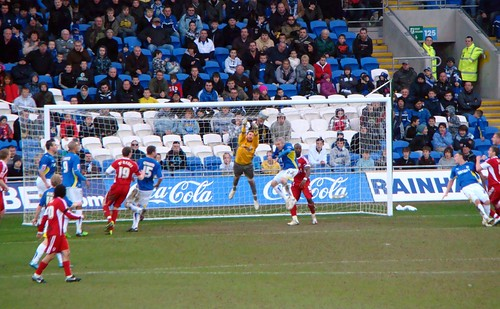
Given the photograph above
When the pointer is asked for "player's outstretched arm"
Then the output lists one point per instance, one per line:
(448, 188)
(37, 213)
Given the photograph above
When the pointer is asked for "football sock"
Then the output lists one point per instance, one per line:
(481, 211)
(294, 218)
(252, 187)
(311, 207)
(65, 226)
(107, 213)
(79, 222)
(487, 209)
(255, 197)
(40, 268)
(38, 253)
(280, 191)
(293, 211)
(59, 258)
(313, 216)
(67, 268)
(114, 215)
(135, 220)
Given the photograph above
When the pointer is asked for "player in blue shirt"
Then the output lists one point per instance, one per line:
(72, 180)
(285, 154)
(47, 167)
(470, 183)
(47, 197)
(139, 196)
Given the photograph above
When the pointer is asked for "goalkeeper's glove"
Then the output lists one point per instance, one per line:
(255, 127)
(244, 122)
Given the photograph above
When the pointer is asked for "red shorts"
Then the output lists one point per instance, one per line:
(306, 190)
(2, 203)
(56, 244)
(494, 193)
(116, 195)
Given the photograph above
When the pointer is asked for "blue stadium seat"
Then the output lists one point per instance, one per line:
(119, 40)
(436, 155)
(349, 38)
(489, 132)
(313, 36)
(70, 92)
(175, 41)
(415, 155)
(482, 145)
(9, 66)
(92, 92)
(241, 25)
(334, 37)
(204, 76)
(107, 163)
(182, 77)
(302, 24)
(221, 26)
(317, 26)
(336, 74)
(211, 66)
(118, 66)
(98, 78)
(224, 77)
(271, 89)
(165, 52)
(212, 163)
(477, 153)
(358, 73)
(334, 63)
(221, 53)
(397, 146)
(46, 79)
(146, 52)
(354, 158)
(205, 26)
(125, 76)
(257, 162)
(369, 63)
(132, 41)
(194, 164)
(395, 155)
(6, 143)
(290, 90)
(83, 27)
(144, 80)
(177, 53)
(338, 26)
(352, 62)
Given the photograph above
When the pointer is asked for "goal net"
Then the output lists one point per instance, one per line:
(198, 185)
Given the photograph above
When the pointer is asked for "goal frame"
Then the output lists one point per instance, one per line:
(386, 101)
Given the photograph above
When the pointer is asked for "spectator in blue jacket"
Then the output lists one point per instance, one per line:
(421, 112)
(208, 94)
(442, 138)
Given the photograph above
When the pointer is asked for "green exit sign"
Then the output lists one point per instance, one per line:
(417, 32)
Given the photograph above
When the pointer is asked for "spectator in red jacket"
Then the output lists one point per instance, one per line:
(68, 127)
(320, 68)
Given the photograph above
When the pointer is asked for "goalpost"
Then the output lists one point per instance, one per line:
(201, 189)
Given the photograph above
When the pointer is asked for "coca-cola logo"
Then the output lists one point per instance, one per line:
(188, 191)
(321, 188)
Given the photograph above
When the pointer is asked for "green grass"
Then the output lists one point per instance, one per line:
(438, 257)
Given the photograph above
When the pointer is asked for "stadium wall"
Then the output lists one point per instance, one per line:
(205, 191)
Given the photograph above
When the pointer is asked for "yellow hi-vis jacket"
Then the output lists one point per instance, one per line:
(469, 61)
(431, 53)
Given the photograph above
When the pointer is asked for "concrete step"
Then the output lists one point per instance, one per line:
(491, 109)
(380, 48)
(382, 54)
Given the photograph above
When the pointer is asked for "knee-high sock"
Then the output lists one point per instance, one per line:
(487, 209)
(311, 207)
(135, 220)
(481, 211)
(38, 253)
(59, 258)
(281, 191)
(40, 268)
(114, 215)
(107, 213)
(293, 211)
(134, 208)
(67, 268)
(79, 222)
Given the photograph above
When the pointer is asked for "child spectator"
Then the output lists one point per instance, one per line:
(308, 86)
(339, 122)
(421, 139)
(347, 82)
(426, 160)
(433, 104)
(192, 34)
(11, 89)
(365, 162)
(59, 64)
(280, 95)
(158, 63)
(101, 62)
(447, 161)
(431, 126)
(87, 127)
(67, 79)
(326, 87)
(174, 86)
(384, 90)
(365, 86)
(68, 127)
(462, 137)
(453, 120)
(294, 60)
(340, 158)
(147, 98)
(122, 56)
(411, 130)
(442, 139)
(341, 48)
(263, 93)
(188, 125)
(405, 160)
(231, 62)
(429, 78)
(217, 83)
(420, 111)
(6, 132)
(227, 165)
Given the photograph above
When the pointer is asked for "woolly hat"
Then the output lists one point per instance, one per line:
(309, 72)
(262, 88)
(420, 128)
(263, 115)
(450, 109)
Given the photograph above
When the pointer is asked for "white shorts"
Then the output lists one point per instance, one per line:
(138, 197)
(41, 186)
(288, 174)
(74, 194)
(475, 192)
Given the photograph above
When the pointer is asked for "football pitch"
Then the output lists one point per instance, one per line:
(438, 257)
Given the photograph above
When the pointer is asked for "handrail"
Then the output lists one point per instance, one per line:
(418, 57)
(389, 81)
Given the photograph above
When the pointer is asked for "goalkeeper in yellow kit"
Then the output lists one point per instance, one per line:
(243, 162)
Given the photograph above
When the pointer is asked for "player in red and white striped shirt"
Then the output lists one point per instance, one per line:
(492, 165)
(4, 155)
(301, 183)
(54, 217)
(125, 169)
